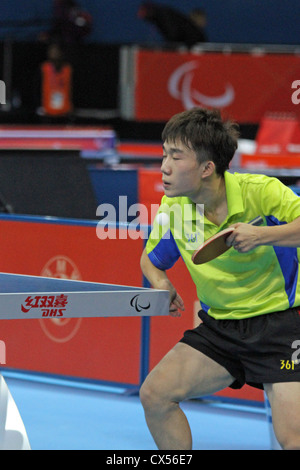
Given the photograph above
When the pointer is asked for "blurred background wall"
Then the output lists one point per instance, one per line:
(116, 21)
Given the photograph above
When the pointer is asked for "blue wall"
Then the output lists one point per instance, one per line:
(237, 21)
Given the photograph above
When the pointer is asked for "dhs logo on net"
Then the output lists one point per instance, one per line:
(50, 305)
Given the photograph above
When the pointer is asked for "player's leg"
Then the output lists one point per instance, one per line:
(285, 405)
(183, 373)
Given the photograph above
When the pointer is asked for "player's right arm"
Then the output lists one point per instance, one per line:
(159, 280)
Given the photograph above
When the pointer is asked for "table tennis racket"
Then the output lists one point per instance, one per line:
(216, 245)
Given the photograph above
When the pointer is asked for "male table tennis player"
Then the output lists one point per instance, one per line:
(250, 296)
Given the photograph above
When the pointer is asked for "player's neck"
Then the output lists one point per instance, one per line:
(215, 201)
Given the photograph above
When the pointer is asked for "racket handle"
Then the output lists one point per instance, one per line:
(257, 221)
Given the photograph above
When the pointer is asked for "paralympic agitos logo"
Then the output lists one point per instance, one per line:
(137, 306)
(180, 87)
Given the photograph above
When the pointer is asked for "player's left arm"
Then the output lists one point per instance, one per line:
(247, 237)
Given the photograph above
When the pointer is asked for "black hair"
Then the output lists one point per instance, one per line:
(205, 132)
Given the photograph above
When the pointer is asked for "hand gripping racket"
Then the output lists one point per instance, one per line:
(216, 245)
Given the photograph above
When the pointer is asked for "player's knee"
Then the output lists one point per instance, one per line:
(153, 398)
(149, 396)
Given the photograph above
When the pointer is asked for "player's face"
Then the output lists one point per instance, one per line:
(181, 171)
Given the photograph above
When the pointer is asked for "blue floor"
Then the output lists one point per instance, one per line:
(58, 416)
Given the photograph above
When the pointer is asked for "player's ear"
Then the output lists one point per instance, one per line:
(208, 168)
